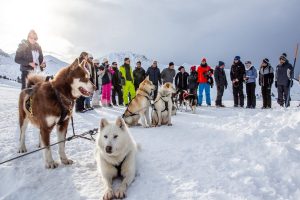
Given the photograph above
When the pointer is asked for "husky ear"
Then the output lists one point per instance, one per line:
(103, 123)
(120, 123)
(147, 78)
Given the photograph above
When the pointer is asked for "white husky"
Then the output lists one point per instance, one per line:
(115, 155)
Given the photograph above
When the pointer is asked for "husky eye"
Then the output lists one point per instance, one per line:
(115, 136)
(105, 136)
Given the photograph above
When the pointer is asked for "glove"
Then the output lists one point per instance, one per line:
(276, 84)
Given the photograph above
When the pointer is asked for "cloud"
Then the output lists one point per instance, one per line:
(179, 31)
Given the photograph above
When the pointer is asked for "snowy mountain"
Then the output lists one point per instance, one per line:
(10, 69)
(134, 57)
(215, 154)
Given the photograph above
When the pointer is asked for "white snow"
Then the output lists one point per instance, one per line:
(215, 154)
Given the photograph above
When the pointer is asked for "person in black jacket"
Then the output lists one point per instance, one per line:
(221, 83)
(139, 75)
(117, 85)
(181, 79)
(192, 81)
(237, 74)
(79, 105)
(154, 75)
(30, 56)
(283, 77)
(266, 78)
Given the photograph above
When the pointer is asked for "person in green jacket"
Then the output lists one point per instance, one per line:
(127, 82)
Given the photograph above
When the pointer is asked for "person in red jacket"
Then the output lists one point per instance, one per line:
(205, 80)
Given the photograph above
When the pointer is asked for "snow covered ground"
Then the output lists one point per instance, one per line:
(215, 154)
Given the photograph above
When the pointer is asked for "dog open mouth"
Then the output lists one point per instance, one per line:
(84, 92)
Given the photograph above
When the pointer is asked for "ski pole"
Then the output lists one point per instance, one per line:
(291, 78)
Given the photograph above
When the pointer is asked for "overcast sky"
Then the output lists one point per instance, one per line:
(166, 30)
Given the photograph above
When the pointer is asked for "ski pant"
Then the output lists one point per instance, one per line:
(204, 87)
(283, 95)
(251, 98)
(238, 95)
(24, 75)
(220, 92)
(117, 91)
(96, 98)
(266, 95)
(79, 106)
(106, 94)
(128, 88)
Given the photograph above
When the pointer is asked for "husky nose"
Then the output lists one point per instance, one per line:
(108, 149)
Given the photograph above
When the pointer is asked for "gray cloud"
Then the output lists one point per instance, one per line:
(181, 31)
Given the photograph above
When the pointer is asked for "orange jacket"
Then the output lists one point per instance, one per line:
(201, 71)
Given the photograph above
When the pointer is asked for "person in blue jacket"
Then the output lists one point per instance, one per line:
(250, 79)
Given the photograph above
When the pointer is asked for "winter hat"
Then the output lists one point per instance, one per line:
(284, 54)
(237, 58)
(171, 64)
(193, 68)
(203, 60)
(96, 61)
(221, 63)
(179, 69)
(248, 62)
(266, 60)
(282, 57)
(104, 60)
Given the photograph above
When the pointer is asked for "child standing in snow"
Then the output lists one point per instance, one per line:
(106, 87)
(250, 79)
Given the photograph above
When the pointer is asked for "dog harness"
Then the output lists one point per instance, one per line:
(62, 100)
(166, 104)
(131, 113)
(66, 105)
(119, 167)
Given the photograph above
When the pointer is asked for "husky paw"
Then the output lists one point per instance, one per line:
(51, 165)
(108, 195)
(66, 161)
(120, 194)
(22, 149)
(170, 124)
(146, 126)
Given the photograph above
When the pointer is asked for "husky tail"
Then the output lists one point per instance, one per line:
(34, 79)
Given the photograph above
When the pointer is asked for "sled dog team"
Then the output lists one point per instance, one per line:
(48, 104)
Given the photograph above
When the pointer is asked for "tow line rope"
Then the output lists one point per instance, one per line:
(91, 133)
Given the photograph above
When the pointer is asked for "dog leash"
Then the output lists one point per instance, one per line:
(91, 132)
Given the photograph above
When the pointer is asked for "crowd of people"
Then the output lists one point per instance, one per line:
(122, 82)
